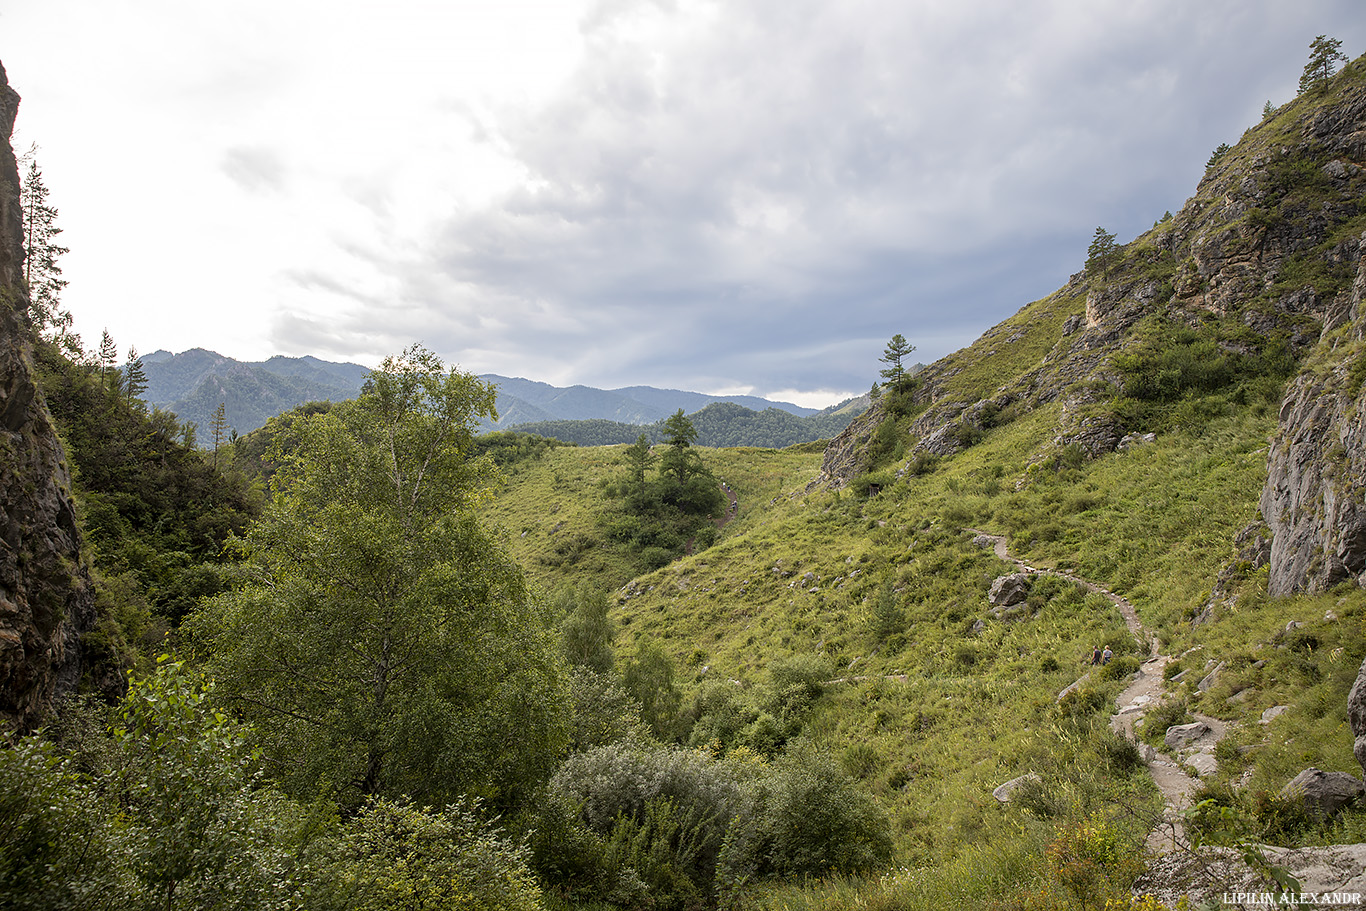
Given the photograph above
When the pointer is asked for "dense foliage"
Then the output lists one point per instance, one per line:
(383, 643)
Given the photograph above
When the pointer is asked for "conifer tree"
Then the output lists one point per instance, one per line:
(897, 350)
(1324, 56)
(42, 273)
(218, 426)
(1102, 251)
(134, 377)
(108, 357)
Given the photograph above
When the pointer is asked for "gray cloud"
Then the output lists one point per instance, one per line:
(255, 169)
(761, 193)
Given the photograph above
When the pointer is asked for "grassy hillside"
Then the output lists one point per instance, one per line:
(927, 697)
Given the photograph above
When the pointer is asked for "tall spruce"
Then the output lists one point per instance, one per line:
(42, 273)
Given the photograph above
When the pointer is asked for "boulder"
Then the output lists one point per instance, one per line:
(1009, 590)
(1004, 792)
(1180, 736)
(1324, 794)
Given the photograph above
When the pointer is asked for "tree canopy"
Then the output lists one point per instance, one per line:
(897, 350)
(385, 643)
(1324, 56)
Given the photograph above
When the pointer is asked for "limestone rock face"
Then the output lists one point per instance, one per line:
(1314, 500)
(1356, 714)
(46, 598)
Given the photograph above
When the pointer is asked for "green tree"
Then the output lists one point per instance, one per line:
(638, 460)
(1324, 56)
(649, 678)
(134, 377)
(108, 357)
(1220, 151)
(42, 273)
(586, 633)
(680, 461)
(387, 644)
(218, 426)
(1102, 251)
(897, 350)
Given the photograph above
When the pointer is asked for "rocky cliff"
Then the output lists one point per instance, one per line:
(46, 599)
(1266, 260)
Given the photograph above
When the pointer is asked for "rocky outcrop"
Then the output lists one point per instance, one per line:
(1314, 500)
(1356, 714)
(46, 599)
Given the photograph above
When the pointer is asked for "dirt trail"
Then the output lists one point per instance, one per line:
(1147, 689)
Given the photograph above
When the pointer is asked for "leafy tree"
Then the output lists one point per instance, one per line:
(1102, 251)
(897, 350)
(387, 644)
(649, 678)
(42, 273)
(397, 857)
(586, 632)
(1324, 56)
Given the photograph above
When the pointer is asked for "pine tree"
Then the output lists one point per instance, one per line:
(134, 377)
(42, 274)
(218, 426)
(108, 360)
(1102, 251)
(896, 351)
(1324, 55)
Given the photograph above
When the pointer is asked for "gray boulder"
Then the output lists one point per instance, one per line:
(1008, 590)
(1324, 793)
(1183, 735)
(1004, 792)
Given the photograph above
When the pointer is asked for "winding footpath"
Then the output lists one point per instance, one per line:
(1147, 689)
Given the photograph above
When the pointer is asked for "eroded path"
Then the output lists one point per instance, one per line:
(1147, 689)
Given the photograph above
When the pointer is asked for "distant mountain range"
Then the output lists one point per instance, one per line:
(193, 384)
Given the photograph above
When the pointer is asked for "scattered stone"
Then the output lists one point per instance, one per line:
(1074, 686)
(1210, 679)
(1273, 713)
(1180, 736)
(1009, 590)
(1130, 440)
(983, 541)
(1324, 794)
(1004, 792)
(1203, 763)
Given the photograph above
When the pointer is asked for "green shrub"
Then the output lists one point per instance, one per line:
(396, 856)
(807, 819)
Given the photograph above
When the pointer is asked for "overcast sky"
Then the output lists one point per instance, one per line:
(738, 196)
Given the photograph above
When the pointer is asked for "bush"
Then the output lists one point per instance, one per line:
(395, 856)
(807, 819)
(630, 810)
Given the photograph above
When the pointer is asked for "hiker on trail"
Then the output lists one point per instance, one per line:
(1095, 655)
(1106, 655)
